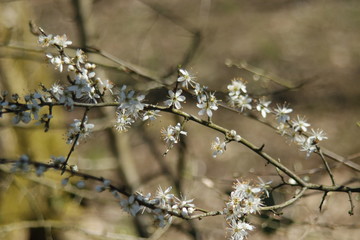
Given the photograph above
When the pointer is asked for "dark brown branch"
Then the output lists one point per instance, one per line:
(351, 211)
(328, 169)
(323, 200)
(72, 149)
(287, 203)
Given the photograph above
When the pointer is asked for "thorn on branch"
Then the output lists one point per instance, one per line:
(323, 200)
(351, 211)
(260, 148)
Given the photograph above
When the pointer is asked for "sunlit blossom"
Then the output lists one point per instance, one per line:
(175, 99)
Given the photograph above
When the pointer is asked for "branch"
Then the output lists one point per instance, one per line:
(323, 200)
(328, 169)
(75, 140)
(287, 203)
(224, 131)
(351, 211)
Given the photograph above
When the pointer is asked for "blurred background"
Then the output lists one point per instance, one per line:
(311, 47)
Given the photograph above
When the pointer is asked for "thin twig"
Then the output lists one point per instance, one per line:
(287, 203)
(351, 211)
(76, 139)
(328, 169)
(124, 190)
(325, 151)
(323, 200)
(260, 72)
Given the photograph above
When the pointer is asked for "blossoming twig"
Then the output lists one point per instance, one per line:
(76, 139)
(85, 90)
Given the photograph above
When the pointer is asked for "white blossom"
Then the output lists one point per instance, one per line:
(208, 103)
(151, 115)
(186, 207)
(22, 164)
(45, 41)
(218, 147)
(233, 135)
(300, 124)
(282, 112)
(175, 99)
(40, 170)
(34, 110)
(236, 87)
(308, 148)
(282, 128)
(200, 92)
(162, 218)
(299, 139)
(77, 128)
(105, 85)
(67, 99)
(263, 107)
(123, 120)
(186, 79)
(81, 86)
(164, 196)
(130, 101)
(317, 135)
(56, 61)
(22, 116)
(171, 134)
(130, 205)
(239, 229)
(80, 57)
(57, 160)
(241, 101)
(61, 41)
(57, 91)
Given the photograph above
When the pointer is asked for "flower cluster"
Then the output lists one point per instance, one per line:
(218, 147)
(296, 129)
(78, 130)
(28, 111)
(150, 115)
(22, 165)
(130, 108)
(186, 79)
(206, 101)
(164, 204)
(245, 199)
(104, 186)
(167, 202)
(85, 85)
(237, 95)
(307, 142)
(171, 135)
(130, 102)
